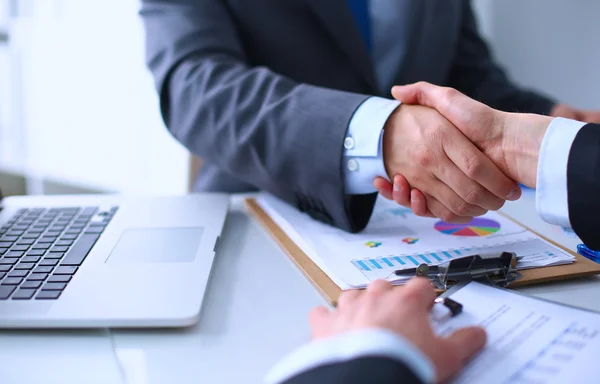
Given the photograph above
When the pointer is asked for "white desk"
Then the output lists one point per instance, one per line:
(256, 311)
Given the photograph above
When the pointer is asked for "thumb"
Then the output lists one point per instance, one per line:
(462, 345)
(408, 94)
(319, 319)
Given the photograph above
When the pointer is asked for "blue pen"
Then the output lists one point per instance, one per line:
(588, 253)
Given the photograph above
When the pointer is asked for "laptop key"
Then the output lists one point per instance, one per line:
(49, 262)
(47, 239)
(31, 284)
(9, 260)
(23, 294)
(59, 248)
(42, 245)
(30, 259)
(54, 286)
(36, 252)
(94, 231)
(48, 295)
(18, 273)
(5, 268)
(6, 244)
(68, 237)
(14, 254)
(64, 242)
(9, 238)
(26, 242)
(59, 278)
(53, 233)
(37, 277)
(43, 269)
(80, 249)
(54, 255)
(21, 247)
(24, 266)
(65, 270)
(6, 291)
(12, 281)
(3, 251)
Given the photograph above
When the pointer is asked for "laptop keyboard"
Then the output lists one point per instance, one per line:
(41, 249)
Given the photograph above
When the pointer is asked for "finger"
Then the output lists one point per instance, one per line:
(462, 345)
(453, 105)
(401, 191)
(317, 315)
(439, 210)
(379, 287)
(418, 293)
(384, 187)
(478, 167)
(418, 204)
(451, 200)
(348, 299)
(468, 190)
(591, 116)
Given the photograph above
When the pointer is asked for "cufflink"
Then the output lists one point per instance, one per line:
(353, 165)
(349, 143)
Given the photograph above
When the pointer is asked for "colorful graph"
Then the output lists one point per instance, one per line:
(410, 240)
(373, 244)
(392, 263)
(476, 228)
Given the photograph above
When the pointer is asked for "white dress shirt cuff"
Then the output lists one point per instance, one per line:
(348, 346)
(551, 194)
(363, 153)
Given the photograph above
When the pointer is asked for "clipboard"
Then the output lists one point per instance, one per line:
(331, 292)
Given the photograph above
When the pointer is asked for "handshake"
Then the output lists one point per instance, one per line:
(452, 157)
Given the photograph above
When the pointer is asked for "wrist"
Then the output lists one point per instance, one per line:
(523, 136)
(389, 135)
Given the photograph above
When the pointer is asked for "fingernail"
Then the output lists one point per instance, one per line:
(396, 187)
(514, 194)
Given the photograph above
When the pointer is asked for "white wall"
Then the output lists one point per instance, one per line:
(89, 109)
(551, 45)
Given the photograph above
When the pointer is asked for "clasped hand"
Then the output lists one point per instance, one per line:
(454, 158)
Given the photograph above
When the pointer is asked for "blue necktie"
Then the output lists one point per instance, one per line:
(360, 10)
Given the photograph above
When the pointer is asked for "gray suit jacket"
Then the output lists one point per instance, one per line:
(263, 90)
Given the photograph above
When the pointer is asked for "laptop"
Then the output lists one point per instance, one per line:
(85, 261)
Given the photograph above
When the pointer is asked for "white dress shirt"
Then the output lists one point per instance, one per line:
(551, 193)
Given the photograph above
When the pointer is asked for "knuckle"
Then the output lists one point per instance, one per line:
(378, 286)
(447, 216)
(473, 167)
(475, 196)
(424, 158)
(461, 208)
(448, 93)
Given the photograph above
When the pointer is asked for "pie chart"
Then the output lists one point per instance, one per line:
(476, 228)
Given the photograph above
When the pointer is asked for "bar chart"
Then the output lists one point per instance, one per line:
(532, 253)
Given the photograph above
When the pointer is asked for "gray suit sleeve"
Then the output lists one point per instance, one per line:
(477, 75)
(266, 129)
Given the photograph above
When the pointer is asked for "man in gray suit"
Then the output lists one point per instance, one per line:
(287, 96)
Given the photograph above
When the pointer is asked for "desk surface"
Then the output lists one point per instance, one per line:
(246, 326)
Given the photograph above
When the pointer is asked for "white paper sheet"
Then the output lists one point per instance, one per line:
(529, 340)
(396, 239)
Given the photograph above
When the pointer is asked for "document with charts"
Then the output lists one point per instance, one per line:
(529, 340)
(396, 239)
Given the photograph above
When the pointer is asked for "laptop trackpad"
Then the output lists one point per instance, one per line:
(157, 245)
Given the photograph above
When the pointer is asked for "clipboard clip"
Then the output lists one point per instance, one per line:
(498, 270)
